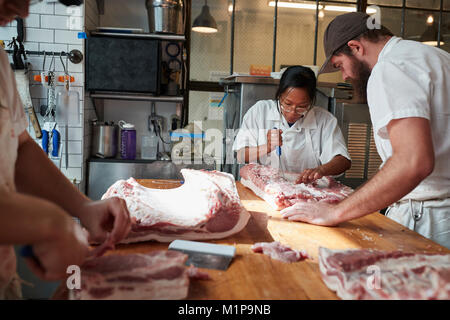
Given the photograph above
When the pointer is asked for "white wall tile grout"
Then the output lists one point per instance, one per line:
(55, 27)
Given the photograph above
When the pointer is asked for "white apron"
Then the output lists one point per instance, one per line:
(293, 158)
(9, 280)
(430, 218)
(298, 159)
(12, 123)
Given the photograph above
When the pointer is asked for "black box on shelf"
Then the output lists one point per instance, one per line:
(123, 64)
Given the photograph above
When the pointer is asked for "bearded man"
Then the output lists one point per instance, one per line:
(408, 93)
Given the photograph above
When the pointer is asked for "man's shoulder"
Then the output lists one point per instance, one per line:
(411, 54)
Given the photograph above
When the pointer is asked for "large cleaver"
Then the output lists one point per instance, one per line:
(23, 87)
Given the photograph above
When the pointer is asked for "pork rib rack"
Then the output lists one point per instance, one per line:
(282, 192)
(155, 275)
(206, 206)
(371, 274)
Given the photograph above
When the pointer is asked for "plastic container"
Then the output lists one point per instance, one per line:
(127, 140)
(149, 146)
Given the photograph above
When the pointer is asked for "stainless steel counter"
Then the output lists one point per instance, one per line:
(102, 173)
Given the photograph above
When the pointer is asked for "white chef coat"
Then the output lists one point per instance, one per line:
(412, 79)
(12, 123)
(311, 141)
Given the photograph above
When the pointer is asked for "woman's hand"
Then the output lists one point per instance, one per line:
(310, 175)
(274, 139)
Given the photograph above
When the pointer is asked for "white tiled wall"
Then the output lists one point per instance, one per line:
(55, 27)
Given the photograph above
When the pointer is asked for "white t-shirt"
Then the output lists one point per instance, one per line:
(326, 136)
(412, 79)
(12, 123)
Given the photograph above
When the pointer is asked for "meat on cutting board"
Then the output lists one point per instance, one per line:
(158, 275)
(372, 274)
(279, 251)
(283, 191)
(206, 206)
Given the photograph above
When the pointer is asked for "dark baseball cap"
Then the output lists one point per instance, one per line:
(65, 2)
(71, 2)
(339, 32)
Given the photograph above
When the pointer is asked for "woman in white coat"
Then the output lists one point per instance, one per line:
(309, 137)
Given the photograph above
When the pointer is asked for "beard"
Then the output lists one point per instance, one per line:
(362, 72)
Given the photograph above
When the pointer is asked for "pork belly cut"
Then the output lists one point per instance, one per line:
(279, 251)
(157, 275)
(283, 191)
(206, 206)
(373, 274)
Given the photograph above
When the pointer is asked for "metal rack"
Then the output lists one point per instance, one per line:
(133, 96)
(141, 35)
(72, 54)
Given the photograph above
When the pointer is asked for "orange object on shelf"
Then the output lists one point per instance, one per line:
(38, 78)
(259, 70)
(63, 78)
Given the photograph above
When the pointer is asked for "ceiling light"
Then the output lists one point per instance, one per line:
(297, 5)
(430, 19)
(204, 23)
(321, 14)
(340, 8)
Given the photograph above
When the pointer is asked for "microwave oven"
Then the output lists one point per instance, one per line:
(123, 64)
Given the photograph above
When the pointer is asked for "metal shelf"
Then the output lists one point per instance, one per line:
(158, 36)
(134, 96)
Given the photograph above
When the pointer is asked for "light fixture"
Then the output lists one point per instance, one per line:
(430, 19)
(310, 6)
(430, 36)
(340, 8)
(296, 5)
(205, 23)
(321, 14)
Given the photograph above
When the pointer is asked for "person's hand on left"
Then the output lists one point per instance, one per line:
(107, 219)
(310, 175)
(319, 213)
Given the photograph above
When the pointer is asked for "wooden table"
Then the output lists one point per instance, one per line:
(256, 276)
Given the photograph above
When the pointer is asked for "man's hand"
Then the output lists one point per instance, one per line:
(320, 213)
(310, 175)
(106, 219)
(274, 139)
(54, 255)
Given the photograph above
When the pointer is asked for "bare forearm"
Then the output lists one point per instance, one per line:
(252, 154)
(390, 184)
(36, 175)
(336, 166)
(26, 219)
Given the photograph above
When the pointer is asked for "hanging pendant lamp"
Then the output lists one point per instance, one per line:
(205, 23)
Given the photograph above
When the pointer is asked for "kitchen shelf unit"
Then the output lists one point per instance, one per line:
(156, 36)
(134, 96)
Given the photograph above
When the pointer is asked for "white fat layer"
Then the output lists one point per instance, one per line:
(397, 279)
(260, 193)
(187, 205)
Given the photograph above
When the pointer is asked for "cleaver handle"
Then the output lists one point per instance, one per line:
(35, 122)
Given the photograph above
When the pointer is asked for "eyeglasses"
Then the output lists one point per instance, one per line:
(298, 110)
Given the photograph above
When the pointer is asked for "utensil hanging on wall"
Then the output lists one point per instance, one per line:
(67, 108)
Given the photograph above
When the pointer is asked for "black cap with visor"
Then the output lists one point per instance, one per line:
(339, 32)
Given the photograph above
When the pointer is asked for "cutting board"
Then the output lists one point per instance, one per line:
(256, 276)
